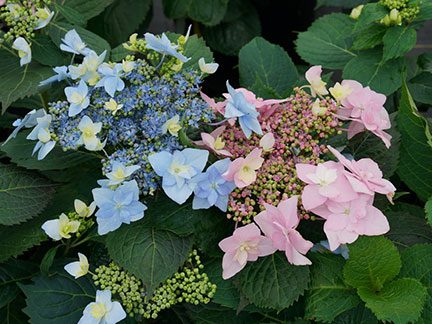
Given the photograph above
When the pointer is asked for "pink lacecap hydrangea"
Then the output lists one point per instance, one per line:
(214, 142)
(279, 224)
(243, 170)
(246, 244)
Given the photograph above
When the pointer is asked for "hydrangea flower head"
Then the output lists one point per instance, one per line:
(239, 107)
(242, 171)
(211, 188)
(246, 244)
(73, 43)
(117, 206)
(163, 45)
(318, 86)
(78, 98)
(103, 310)
(61, 227)
(24, 50)
(78, 268)
(326, 181)
(177, 170)
(279, 224)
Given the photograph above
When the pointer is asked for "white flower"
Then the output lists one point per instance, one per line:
(82, 209)
(79, 268)
(44, 16)
(128, 66)
(113, 106)
(14, 9)
(88, 134)
(78, 98)
(317, 109)
(120, 172)
(103, 311)
(41, 133)
(208, 68)
(172, 126)
(24, 50)
(267, 142)
(29, 121)
(60, 228)
(163, 45)
(73, 43)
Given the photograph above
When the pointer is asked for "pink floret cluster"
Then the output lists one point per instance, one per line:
(286, 172)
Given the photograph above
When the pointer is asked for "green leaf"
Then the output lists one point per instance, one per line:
(370, 70)
(271, 282)
(266, 69)
(360, 314)
(327, 42)
(10, 273)
(339, 3)
(57, 299)
(421, 88)
(416, 263)
(20, 150)
(48, 260)
(369, 37)
(400, 301)
(19, 81)
(119, 53)
(327, 295)
(210, 12)
(88, 8)
(212, 314)
(151, 255)
(425, 11)
(373, 262)
(231, 35)
(120, 23)
(23, 194)
(372, 12)
(407, 229)
(398, 40)
(46, 52)
(195, 48)
(414, 167)
(367, 145)
(96, 43)
(71, 15)
(12, 312)
(176, 9)
(226, 294)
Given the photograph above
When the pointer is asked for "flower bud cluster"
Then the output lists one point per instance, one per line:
(20, 19)
(299, 137)
(400, 10)
(188, 285)
(85, 222)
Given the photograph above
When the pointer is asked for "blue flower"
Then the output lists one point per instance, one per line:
(120, 172)
(61, 74)
(177, 170)
(164, 46)
(211, 188)
(111, 80)
(73, 43)
(42, 134)
(246, 112)
(78, 98)
(117, 206)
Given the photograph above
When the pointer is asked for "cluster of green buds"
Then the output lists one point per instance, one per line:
(85, 222)
(22, 18)
(188, 285)
(400, 10)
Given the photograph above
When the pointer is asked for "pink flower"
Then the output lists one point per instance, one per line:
(217, 107)
(346, 221)
(279, 224)
(353, 86)
(267, 142)
(326, 181)
(365, 176)
(246, 244)
(214, 142)
(365, 108)
(243, 170)
(2, 2)
(318, 86)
